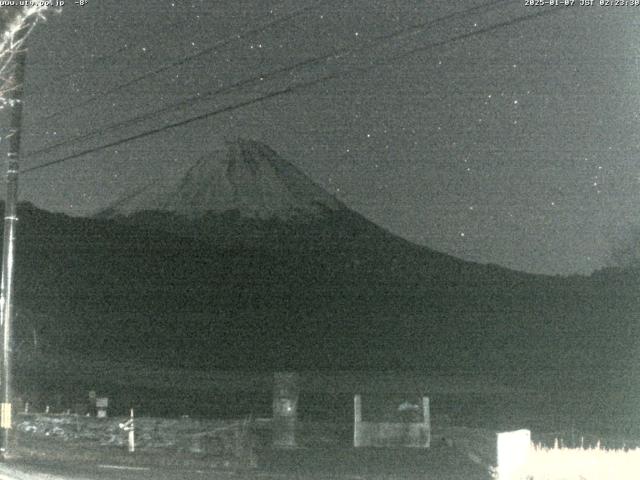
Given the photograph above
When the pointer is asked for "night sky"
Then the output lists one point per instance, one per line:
(456, 125)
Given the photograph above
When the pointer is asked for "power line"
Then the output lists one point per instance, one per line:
(291, 89)
(259, 78)
(479, 31)
(182, 61)
(183, 103)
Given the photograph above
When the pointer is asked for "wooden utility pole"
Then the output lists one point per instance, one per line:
(8, 246)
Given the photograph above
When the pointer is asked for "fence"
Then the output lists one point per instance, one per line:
(231, 440)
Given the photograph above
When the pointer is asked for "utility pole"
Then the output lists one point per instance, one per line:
(8, 246)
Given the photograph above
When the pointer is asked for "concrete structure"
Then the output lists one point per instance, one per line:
(403, 431)
(286, 390)
(102, 404)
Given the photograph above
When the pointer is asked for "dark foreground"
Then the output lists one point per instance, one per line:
(438, 463)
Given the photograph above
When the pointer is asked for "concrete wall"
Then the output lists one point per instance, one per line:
(391, 434)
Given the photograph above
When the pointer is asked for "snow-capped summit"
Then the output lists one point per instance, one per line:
(247, 177)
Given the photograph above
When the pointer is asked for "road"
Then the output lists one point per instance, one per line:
(42, 470)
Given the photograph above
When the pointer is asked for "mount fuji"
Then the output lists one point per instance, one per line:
(247, 178)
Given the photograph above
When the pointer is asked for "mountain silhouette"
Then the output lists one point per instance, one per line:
(246, 263)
